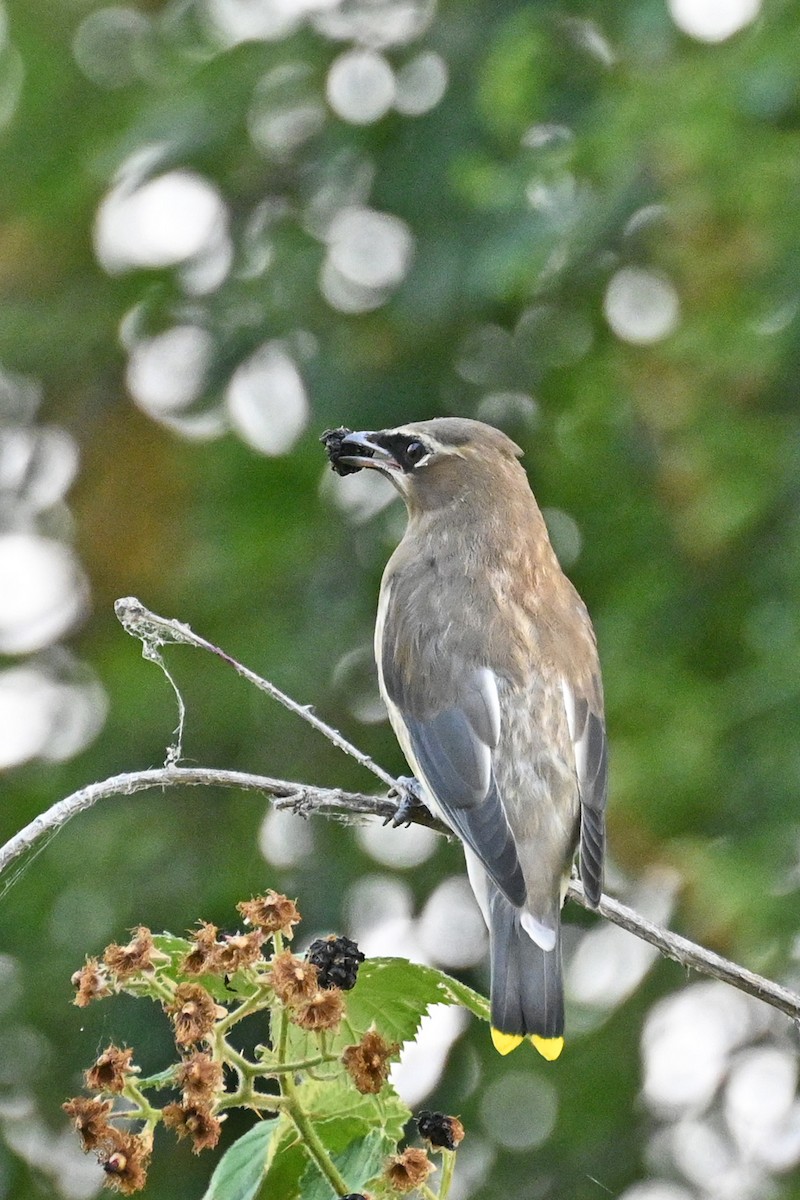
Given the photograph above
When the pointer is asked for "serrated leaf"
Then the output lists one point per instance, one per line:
(240, 1171)
(169, 943)
(460, 993)
(341, 1117)
(395, 995)
(331, 1100)
(358, 1163)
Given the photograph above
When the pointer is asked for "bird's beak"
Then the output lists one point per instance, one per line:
(361, 450)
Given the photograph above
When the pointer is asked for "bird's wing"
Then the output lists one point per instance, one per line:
(452, 751)
(588, 734)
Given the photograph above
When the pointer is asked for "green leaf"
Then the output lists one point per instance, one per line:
(358, 1163)
(342, 1119)
(288, 1162)
(239, 1173)
(394, 995)
(337, 1099)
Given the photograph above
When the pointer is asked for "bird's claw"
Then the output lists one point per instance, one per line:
(410, 800)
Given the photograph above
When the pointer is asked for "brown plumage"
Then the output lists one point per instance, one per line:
(488, 666)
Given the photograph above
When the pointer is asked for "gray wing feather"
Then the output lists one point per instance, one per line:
(588, 734)
(457, 764)
(453, 748)
(477, 817)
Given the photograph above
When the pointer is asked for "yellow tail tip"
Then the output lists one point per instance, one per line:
(504, 1043)
(549, 1048)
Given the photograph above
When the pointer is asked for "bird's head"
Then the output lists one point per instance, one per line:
(432, 463)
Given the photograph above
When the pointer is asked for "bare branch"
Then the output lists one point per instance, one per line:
(155, 631)
(689, 954)
(299, 797)
(333, 802)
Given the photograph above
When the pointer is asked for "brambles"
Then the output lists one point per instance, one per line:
(319, 1081)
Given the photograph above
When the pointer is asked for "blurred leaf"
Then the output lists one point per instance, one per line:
(342, 1118)
(358, 1164)
(239, 1173)
(395, 994)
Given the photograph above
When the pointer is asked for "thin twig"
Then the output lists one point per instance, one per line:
(154, 631)
(689, 954)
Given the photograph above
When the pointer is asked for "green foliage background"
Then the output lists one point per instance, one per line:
(679, 461)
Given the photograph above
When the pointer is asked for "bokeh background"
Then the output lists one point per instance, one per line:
(228, 224)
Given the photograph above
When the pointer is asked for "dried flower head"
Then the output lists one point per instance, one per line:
(408, 1170)
(124, 1159)
(291, 979)
(91, 983)
(90, 1115)
(337, 960)
(272, 912)
(139, 955)
(194, 1121)
(367, 1063)
(203, 958)
(443, 1132)
(240, 950)
(324, 1010)
(199, 1078)
(193, 1013)
(111, 1070)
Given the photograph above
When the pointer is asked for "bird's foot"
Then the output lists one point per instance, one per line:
(410, 795)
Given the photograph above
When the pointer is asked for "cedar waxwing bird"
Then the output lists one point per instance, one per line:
(488, 665)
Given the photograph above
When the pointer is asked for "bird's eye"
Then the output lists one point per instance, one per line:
(415, 451)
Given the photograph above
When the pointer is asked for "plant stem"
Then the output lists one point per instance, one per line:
(245, 1009)
(312, 1140)
(226, 1053)
(293, 1106)
(294, 1068)
(149, 985)
(248, 1096)
(448, 1166)
(145, 1110)
(283, 1038)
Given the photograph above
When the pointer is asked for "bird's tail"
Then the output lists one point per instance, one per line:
(527, 988)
